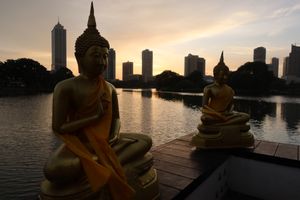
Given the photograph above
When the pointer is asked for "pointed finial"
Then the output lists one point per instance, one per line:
(221, 58)
(92, 20)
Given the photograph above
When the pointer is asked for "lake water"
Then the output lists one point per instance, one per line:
(26, 139)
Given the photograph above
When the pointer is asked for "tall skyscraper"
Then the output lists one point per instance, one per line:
(274, 66)
(194, 63)
(147, 65)
(292, 71)
(58, 45)
(110, 72)
(294, 61)
(259, 54)
(127, 70)
(285, 66)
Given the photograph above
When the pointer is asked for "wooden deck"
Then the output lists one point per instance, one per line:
(181, 168)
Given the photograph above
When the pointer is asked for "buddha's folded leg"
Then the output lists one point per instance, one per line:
(208, 120)
(63, 166)
(238, 118)
(132, 146)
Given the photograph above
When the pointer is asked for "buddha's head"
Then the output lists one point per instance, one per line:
(91, 49)
(221, 71)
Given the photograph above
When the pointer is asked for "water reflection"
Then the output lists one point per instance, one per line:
(146, 93)
(146, 113)
(291, 114)
(271, 118)
(26, 140)
(156, 117)
(256, 109)
(192, 101)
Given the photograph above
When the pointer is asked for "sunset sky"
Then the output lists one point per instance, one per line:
(170, 28)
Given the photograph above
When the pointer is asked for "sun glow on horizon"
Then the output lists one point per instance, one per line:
(163, 27)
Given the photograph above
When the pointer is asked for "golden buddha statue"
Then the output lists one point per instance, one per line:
(221, 127)
(95, 161)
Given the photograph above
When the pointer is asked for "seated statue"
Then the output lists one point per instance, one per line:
(95, 161)
(221, 127)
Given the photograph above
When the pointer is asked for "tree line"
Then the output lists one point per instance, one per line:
(27, 76)
(252, 78)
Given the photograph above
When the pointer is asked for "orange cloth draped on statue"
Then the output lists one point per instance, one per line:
(107, 169)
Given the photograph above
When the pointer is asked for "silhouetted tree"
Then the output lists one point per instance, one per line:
(27, 76)
(252, 77)
(196, 77)
(24, 72)
(60, 75)
(167, 80)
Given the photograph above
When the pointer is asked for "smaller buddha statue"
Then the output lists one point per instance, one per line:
(221, 127)
(95, 161)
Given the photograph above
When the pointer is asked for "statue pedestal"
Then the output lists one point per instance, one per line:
(142, 178)
(229, 136)
(78, 190)
(137, 162)
(146, 186)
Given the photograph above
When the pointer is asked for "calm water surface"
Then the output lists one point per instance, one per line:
(26, 139)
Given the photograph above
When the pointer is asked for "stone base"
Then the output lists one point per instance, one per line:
(146, 186)
(141, 176)
(231, 136)
(77, 191)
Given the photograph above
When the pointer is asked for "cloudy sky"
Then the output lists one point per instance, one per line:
(170, 28)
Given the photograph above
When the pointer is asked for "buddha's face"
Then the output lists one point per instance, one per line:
(221, 77)
(94, 62)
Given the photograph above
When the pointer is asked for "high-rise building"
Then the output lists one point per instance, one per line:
(194, 63)
(127, 70)
(259, 54)
(285, 66)
(147, 65)
(274, 66)
(59, 44)
(294, 61)
(292, 71)
(110, 72)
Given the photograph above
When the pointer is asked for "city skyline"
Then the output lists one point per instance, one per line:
(236, 27)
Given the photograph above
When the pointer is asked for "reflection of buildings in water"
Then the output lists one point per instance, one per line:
(194, 102)
(272, 108)
(146, 93)
(129, 107)
(190, 101)
(256, 109)
(290, 112)
(146, 112)
(169, 96)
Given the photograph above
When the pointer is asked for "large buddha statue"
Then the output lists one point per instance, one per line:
(95, 161)
(221, 127)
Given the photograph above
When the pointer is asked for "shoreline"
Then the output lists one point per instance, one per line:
(14, 92)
